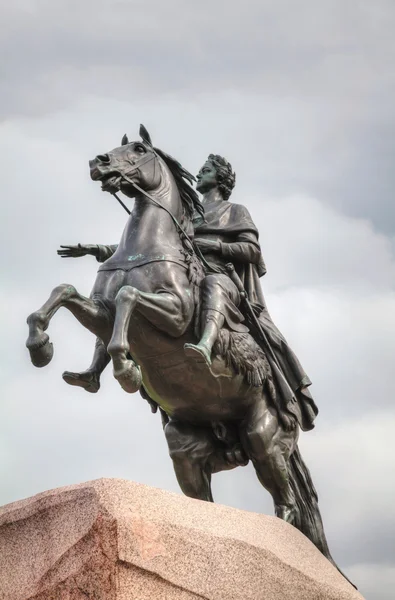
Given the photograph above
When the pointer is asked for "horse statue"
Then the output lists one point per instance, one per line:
(143, 307)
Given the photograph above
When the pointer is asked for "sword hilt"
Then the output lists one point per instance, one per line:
(236, 279)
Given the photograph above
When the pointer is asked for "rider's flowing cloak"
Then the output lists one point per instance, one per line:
(233, 222)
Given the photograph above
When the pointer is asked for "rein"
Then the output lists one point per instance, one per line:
(193, 249)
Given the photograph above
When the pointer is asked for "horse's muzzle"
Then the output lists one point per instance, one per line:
(98, 169)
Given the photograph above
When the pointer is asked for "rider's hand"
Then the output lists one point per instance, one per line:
(77, 251)
(207, 246)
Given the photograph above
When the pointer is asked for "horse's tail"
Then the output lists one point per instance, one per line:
(308, 519)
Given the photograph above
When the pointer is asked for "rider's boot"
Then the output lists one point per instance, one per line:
(213, 321)
(90, 379)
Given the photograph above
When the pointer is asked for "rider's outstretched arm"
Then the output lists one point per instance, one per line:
(101, 253)
(104, 252)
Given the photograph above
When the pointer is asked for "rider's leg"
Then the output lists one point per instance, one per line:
(220, 300)
(269, 447)
(212, 322)
(90, 379)
(90, 314)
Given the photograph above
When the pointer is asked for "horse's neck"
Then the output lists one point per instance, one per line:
(150, 229)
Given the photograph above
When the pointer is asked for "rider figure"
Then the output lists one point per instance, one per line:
(226, 235)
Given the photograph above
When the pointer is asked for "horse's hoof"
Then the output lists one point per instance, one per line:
(236, 457)
(88, 380)
(41, 350)
(129, 377)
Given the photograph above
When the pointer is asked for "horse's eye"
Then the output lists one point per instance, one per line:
(140, 148)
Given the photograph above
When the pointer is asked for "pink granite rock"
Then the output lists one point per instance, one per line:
(118, 540)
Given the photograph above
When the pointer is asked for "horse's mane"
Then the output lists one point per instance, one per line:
(183, 180)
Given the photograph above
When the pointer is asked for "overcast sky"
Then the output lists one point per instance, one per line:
(299, 96)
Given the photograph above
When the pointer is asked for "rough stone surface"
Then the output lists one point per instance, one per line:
(112, 539)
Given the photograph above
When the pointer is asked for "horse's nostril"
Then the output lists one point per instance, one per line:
(103, 158)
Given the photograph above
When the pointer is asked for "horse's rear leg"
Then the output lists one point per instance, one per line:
(269, 448)
(196, 454)
(89, 314)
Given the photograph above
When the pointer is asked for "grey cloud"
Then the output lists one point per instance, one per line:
(271, 143)
(376, 581)
(372, 543)
(362, 528)
(285, 41)
(329, 250)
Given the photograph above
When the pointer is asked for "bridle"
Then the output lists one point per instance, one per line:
(136, 166)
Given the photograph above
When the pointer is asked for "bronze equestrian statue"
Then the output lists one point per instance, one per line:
(177, 307)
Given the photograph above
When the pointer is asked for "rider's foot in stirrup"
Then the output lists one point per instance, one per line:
(198, 352)
(89, 380)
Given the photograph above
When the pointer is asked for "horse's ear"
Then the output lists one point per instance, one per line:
(145, 136)
(125, 140)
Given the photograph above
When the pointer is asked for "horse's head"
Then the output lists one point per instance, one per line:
(139, 163)
(132, 162)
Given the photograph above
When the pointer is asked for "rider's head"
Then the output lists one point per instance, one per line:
(216, 172)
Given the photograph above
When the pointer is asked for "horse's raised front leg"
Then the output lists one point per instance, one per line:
(89, 314)
(269, 447)
(164, 310)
